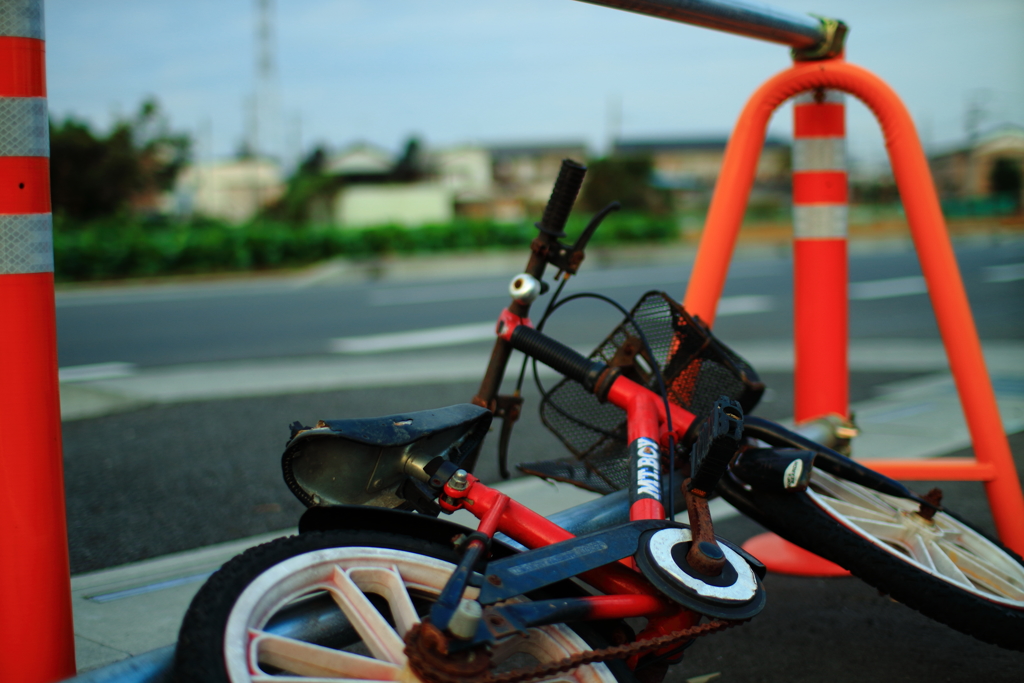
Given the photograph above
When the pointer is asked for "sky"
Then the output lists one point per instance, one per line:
(459, 72)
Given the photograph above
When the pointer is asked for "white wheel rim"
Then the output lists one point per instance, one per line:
(943, 547)
(347, 574)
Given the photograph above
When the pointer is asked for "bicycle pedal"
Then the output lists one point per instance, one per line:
(737, 593)
(717, 441)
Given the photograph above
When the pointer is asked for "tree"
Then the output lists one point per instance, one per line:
(623, 179)
(307, 196)
(92, 175)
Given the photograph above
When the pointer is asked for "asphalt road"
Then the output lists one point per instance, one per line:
(167, 478)
(173, 477)
(260, 319)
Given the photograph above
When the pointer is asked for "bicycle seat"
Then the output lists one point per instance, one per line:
(363, 461)
(402, 429)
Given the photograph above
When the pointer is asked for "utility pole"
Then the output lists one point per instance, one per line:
(265, 111)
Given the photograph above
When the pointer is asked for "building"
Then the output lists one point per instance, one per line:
(525, 174)
(990, 167)
(409, 204)
(233, 191)
(374, 188)
(504, 183)
(694, 163)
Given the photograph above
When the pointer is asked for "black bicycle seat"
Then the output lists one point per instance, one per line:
(405, 428)
(362, 461)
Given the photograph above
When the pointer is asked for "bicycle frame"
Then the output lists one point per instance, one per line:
(627, 592)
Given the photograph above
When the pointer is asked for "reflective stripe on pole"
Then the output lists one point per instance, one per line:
(820, 203)
(36, 631)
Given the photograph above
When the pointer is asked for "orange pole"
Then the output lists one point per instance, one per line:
(36, 631)
(820, 302)
(927, 227)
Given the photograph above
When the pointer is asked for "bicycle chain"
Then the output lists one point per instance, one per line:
(435, 671)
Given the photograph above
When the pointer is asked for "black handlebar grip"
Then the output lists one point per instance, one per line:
(557, 356)
(563, 196)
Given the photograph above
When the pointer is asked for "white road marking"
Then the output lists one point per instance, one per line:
(739, 305)
(415, 339)
(660, 276)
(1011, 272)
(453, 335)
(86, 373)
(887, 289)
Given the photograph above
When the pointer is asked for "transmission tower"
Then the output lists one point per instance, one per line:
(265, 106)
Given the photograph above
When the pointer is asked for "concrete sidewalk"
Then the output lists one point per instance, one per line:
(136, 608)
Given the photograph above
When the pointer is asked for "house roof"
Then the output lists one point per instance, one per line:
(1007, 130)
(499, 152)
(696, 143)
(360, 159)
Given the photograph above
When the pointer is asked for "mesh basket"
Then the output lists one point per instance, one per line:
(697, 368)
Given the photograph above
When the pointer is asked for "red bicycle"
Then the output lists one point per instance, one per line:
(377, 587)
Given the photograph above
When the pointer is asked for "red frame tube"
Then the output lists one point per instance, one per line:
(928, 229)
(627, 606)
(643, 421)
(646, 418)
(628, 593)
(534, 531)
(628, 395)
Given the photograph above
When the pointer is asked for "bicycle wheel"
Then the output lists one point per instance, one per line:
(382, 583)
(944, 568)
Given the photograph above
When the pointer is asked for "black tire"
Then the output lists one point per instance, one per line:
(813, 520)
(203, 650)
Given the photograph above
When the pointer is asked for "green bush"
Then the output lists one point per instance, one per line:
(122, 248)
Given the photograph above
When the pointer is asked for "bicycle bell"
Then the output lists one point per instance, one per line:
(525, 288)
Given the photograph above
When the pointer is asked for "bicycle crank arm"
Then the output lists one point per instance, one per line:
(534, 569)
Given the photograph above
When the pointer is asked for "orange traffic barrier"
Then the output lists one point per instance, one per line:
(36, 632)
(993, 462)
(820, 301)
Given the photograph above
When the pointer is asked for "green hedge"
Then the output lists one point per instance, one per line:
(113, 249)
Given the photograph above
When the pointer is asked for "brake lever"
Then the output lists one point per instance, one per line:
(595, 222)
(568, 259)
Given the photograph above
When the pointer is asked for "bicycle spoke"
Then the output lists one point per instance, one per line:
(943, 546)
(891, 532)
(307, 659)
(962, 538)
(853, 510)
(382, 640)
(947, 565)
(546, 644)
(841, 490)
(919, 550)
(982, 574)
(388, 583)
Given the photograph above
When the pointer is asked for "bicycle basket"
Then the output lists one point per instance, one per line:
(697, 368)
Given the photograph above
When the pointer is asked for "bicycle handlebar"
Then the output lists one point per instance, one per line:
(810, 37)
(557, 356)
(563, 196)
